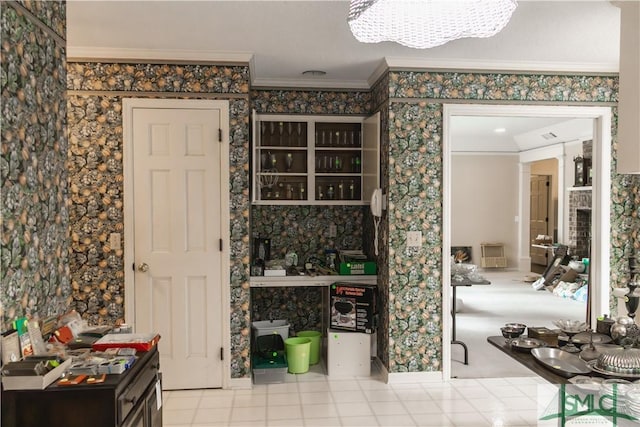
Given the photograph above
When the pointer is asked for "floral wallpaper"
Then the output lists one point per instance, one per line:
(303, 229)
(34, 265)
(95, 172)
(47, 268)
(415, 193)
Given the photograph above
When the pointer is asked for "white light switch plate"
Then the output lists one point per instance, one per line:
(114, 241)
(414, 239)
(333, 230)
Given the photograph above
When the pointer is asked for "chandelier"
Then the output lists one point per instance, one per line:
(424, 24)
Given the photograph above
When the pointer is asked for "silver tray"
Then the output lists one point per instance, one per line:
(527, 344)
(583, 338)
(560, 362)
(594, 368)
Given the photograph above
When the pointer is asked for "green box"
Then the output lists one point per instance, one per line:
(357, 267)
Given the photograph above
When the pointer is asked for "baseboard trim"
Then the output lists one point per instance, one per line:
(414, 377)
(240, 384)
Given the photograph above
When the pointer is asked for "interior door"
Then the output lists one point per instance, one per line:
(539, 216)
(177, 239)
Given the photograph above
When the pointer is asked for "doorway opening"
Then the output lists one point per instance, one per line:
(518, 206)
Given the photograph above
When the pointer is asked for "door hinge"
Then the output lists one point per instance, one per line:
(546, 219)
(221, 353)
(220, 245)
(219, 135)
(133, 266)
(547, 183)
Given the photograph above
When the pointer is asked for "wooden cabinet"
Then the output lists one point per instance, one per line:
(312, 160)
(125, 400)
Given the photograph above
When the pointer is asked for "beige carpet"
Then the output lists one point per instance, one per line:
(486, 308)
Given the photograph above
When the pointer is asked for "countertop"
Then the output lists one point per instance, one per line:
(309, 281)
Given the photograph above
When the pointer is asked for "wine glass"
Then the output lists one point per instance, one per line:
(299, 129)
(288, 161)
(290, 132)
(571, 328)
(281, 130)
(272, 129)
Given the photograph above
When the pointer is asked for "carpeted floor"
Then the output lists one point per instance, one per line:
(485, 309)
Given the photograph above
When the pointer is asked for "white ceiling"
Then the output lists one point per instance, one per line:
(284, 38)
(281, 39)
(473, 134)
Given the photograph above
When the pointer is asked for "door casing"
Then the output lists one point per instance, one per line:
(129, 104)
(601, 188)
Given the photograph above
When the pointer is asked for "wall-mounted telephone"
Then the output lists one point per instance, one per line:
(376, 211)
(376, 202)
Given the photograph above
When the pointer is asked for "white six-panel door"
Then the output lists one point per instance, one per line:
(177, 239)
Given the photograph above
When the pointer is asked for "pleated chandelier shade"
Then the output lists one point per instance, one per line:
(424, 24)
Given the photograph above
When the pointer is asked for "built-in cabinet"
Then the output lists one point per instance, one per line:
(313, 160)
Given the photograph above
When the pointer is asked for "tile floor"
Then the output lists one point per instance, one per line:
(312, 399)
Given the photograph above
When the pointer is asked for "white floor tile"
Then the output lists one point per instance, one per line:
(283, 399)
(316, 397)
(388, 408)
(294, 422)
(284, 413)
(176, 402)
(395, 420)
(355, 409)
(177, 416)
(488, 404)
(506, 391)
(453, 406)
(211, 401)
(471, 419)
(366, 421)
(472, 392)
(313, 386)
(322, 422)
(381, 395)
(246, 400)
(256, 413)
(344, 396)
(422, 407)
(435, 420)
(283, 388)
(326, 410)
(441, 393)
(412, 394)
(208, 415)
(344, 384)
(368, 384)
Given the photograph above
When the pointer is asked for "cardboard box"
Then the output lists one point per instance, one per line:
(348, 354)
(353, 307)
(351, 268)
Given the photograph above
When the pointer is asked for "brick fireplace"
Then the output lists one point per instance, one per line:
(579, 222)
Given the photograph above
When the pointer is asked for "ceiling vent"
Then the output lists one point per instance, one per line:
(549, 135)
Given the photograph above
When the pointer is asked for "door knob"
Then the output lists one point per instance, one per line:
(144, 267)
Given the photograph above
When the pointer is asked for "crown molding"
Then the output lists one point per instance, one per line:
(78, 53)
(502, 65)
(302, 83)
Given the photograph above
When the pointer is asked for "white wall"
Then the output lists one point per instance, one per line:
(484, 203)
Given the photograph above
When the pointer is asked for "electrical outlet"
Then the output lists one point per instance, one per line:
(414, 239)
(333, 230)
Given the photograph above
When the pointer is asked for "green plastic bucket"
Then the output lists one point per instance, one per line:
(298, 349)
(316, 340)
